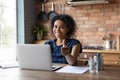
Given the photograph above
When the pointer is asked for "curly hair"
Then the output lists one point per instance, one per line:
(68, 20)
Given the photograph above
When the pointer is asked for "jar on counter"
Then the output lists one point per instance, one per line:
(107, 44)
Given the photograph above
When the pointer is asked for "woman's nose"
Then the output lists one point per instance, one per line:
(57, 28)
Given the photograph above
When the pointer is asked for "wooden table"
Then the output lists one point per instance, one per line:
(109, 73)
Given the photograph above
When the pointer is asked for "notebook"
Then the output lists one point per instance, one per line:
(35, 56)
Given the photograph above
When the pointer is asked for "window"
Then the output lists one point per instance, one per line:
(8, 38)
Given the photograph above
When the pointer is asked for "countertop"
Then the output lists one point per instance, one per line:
(102, 51)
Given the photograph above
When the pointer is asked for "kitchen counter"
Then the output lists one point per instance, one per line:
(102, 51)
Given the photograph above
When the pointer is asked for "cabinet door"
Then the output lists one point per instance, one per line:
(111, 59)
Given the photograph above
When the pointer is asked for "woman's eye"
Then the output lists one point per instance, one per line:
(55, 26)
(62, 27)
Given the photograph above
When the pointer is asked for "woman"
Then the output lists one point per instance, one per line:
(64, 48)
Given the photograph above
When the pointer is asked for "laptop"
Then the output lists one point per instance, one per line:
(35, 56)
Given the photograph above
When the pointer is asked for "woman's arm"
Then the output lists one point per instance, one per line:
(71, 57)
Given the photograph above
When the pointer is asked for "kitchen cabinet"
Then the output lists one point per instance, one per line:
(110, 56)
(111, 59)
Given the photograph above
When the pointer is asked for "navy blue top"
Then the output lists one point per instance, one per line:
(56, 50)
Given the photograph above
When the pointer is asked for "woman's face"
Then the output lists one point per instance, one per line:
(60, 29)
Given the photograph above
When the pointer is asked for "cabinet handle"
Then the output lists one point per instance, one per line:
(119, 57)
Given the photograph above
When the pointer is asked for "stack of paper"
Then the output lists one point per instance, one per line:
(73, 69)
(10, 64)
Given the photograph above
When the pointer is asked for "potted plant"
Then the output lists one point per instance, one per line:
(40, 31)
(107, 39)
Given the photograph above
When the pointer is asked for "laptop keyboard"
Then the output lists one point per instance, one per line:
(54, 68)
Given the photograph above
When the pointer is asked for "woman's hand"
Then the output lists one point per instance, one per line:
(65, 50)
(71, 57)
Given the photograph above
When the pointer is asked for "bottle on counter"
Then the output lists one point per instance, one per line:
(100, 61)
(92, 65)
(96, 64)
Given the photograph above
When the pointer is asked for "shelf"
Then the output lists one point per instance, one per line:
(76, 3)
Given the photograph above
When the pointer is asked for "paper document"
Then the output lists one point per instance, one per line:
(73, 69)
(11, 64)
